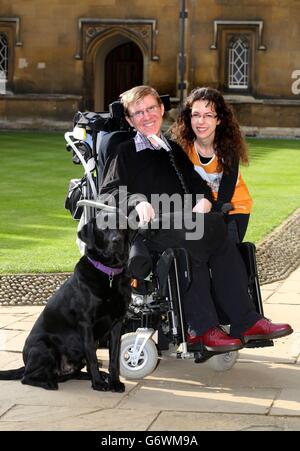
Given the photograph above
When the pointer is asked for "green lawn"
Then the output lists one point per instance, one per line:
(38, 235)
(273, 178)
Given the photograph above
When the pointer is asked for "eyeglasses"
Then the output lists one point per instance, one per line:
(150, 110)
(205, 116)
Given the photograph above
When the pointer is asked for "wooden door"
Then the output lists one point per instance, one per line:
(123, 70)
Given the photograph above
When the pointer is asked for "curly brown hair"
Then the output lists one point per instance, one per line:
(229, 144)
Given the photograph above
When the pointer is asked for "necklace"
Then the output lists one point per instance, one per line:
(198, 150)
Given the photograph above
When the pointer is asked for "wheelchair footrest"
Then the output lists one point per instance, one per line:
(259, 343)
(199, 357)
(196, 351)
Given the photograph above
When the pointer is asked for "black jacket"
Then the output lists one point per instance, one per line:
(150, 172)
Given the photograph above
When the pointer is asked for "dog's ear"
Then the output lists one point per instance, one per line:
(87, 234)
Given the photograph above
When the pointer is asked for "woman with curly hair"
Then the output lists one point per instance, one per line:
(210, 135)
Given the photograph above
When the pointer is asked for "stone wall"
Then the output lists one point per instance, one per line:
(51, 55)
(36, 111)
(268, 113)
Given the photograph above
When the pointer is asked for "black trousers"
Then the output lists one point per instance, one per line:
(237, 226)
(219, 277)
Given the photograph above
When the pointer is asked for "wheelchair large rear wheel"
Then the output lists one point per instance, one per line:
(223, 362)
(130, 367)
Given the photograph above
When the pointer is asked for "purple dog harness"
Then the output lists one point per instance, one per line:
(111, 272)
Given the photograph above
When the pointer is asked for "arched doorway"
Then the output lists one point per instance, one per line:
(123, 70)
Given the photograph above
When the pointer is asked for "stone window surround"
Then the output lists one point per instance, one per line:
(255, 27)
(257, 24)
(13, 22)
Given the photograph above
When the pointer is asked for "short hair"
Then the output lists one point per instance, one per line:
(137, 93)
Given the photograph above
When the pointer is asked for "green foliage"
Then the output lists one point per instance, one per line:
(38, 235)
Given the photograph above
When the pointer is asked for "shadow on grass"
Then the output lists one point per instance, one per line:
(32, 235)
(261, 148)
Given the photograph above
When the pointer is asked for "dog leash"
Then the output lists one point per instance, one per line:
(111, 272)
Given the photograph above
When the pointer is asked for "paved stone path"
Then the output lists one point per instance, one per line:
(261, 392)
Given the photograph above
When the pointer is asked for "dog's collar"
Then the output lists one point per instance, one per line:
(111, 272)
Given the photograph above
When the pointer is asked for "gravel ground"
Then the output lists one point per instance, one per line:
(277, 256)
(279, 253)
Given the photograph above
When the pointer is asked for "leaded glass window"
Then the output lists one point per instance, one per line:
(3, 62)
(238, 64)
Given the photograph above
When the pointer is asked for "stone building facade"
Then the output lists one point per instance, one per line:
(60, 56)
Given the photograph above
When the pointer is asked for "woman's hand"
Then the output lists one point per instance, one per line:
(203, 206)
(145, 212)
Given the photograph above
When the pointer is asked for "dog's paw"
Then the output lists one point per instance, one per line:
(51, 386)
(104, 376)
(100, 386)
(116, 386)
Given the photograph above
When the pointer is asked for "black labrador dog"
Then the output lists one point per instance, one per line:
(87, 311)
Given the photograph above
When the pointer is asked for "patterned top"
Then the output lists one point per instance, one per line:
(241, 199)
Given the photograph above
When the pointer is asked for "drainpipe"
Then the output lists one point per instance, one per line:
(183, 14)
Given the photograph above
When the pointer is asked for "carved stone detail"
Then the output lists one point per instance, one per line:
(144, 30)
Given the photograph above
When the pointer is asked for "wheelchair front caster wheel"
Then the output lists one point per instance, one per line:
(133, 363)
(223, 362)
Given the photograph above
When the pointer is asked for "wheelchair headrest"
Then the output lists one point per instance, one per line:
(108, 148)
(166, 101)
(110, 121)
(110, 141)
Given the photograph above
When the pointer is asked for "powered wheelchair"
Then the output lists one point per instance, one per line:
(155, 319)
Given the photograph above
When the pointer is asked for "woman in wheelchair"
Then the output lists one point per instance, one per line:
(210, 135)
(149, 164)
